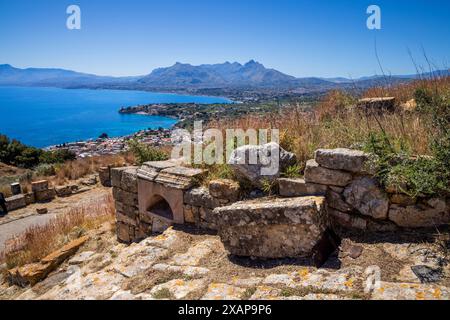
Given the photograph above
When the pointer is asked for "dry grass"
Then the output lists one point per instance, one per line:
(405, 92)
(39, 241)
(336, 123)
(303, 133)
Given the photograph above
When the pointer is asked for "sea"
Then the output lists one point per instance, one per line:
(43, 117)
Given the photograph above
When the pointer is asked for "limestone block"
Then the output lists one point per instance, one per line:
(16, 202)
(343, 159)
(365, 195)
(298, 188)
(224, 189)
(274, 228)
(317, 174)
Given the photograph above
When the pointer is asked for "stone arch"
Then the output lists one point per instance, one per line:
(161, 207)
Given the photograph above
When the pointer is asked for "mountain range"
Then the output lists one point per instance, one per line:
(186, 76)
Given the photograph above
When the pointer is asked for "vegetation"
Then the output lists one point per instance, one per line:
(419, 175)
(13, 152)
(144, 152)
(411, 147)
(39, 241)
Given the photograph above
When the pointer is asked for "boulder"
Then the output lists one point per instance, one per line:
(224, 189)
(365, 196)
(16, 202)
(41, 210)
(320, 175)
(299, 187)
(272, 228)
(343, 159)
(419, 216)
(241, 160)
(32, 273)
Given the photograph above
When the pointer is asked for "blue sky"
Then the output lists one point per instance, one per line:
(301, 38)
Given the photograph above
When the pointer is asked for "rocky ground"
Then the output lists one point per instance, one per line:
(185, 264)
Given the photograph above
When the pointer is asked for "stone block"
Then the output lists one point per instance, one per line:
(129, 180)
(419, 216)
(224, 189)
(29, 198)
(364, 195)
(180, 177)
(45, 195)
(116, 176)
(104, 174)
(257, 163)
(120, 217)
(273, 228)
(123, 232)
(335, 201)
(15, 188)
(128, 210)
(346, 220)
(39, 186)
(378, 104)
(126, 198)
(64, 191)
(298, 188)
(16, 202)
(200, 197)
(320, 175)
(343, 159)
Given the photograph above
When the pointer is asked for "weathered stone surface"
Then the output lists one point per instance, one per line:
(298, 188)
(224, 189)
(45, 195)
(402, 199)
(63, 191)
(120, 217)
(223, 291)
(335, 201)
(344, 280)
(417, 217)
(123, 232)
(376, 104)
(116, 176)
(253, 162)
(41, 210)
(128, 210)
(317, 174)
(185, 270)
(347, 220)
(32, 273)
(15, 188)
(275, 228)
(190, 215)
(126, 198)
(342, 159)
(16, 202)
(177, 288)
(365, 196)
(81, 257)
(410, 291)
(200, 197)
(179, 177)
(39, 185)
(195, 254)
(104, 174)
(29, 198)
(129, 180)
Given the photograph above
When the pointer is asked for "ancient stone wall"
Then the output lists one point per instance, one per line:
(355, 199)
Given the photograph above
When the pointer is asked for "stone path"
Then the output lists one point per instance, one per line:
(179, 264)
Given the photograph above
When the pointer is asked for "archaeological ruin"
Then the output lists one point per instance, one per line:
(338, 192)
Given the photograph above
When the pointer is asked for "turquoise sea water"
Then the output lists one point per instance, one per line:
(42, 117)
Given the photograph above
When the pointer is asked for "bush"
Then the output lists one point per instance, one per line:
(417, 175)
(143, 152)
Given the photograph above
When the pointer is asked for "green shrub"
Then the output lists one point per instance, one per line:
(143, 152)
(417, 175)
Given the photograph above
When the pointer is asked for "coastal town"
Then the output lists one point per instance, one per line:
(114, 145)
